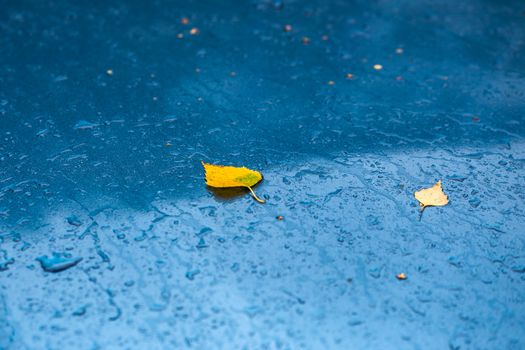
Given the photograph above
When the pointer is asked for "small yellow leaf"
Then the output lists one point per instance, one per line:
(433, 196)
(229, 176)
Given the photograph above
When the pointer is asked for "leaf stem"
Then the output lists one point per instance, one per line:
(421, 210)
(255, 196)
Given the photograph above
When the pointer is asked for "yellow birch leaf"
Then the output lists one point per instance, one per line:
(229, 176)
(433, 196)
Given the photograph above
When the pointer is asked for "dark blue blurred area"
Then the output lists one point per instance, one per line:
(107, 109)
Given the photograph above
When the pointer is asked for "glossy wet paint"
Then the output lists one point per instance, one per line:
(109, 237)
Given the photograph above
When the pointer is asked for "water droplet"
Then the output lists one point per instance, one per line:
(129, 283)
(58, 262)
(42, 133)
(81, 311)
(201, 244)
(170, 118)
(191, 274)
(474, 202)
(74, 220)
(84, 124)
(235, 267)
(5, 261)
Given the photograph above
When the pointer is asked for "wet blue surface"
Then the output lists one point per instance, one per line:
(106, 111)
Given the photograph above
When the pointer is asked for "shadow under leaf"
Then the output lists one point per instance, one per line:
(229, 193)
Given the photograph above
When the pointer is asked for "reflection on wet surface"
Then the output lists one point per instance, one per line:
(109, 237)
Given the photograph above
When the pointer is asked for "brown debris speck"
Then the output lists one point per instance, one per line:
(185, 20)
(279, 217)
(194, 31)
(401, 276)
(349, 76)
(305, 40)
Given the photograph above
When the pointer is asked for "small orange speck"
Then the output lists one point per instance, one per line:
(401, 276)
(279, 217)
(349, 76)
(287, 28)
(194, 31)
(184, 20)
(399, 51)
(305, 40)
(109, 72)
(378, 67)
